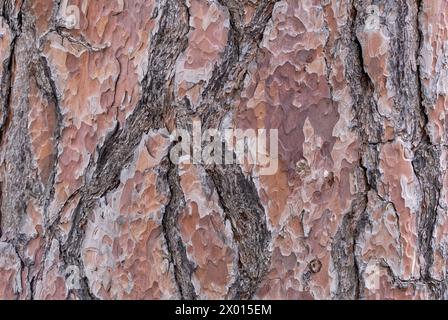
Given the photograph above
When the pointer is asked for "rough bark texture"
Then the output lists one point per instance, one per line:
(91, 207)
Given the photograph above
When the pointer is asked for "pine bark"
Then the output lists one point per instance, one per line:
(92, 207)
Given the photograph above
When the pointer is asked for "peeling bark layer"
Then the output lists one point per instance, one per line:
(94, 93)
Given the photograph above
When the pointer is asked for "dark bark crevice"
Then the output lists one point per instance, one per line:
(410, 123)
(366, 124)
(242, 201)
(427, 168)
(242, 48)
(14, 22)
(183, 268)
(343, 252)
(239, 199)
(118, 149)
(49, 88)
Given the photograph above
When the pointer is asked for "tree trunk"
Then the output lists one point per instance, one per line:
(97, 97)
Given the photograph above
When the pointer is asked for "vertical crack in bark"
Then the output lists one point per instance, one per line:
(367, 118)
(44, 80)
(242, 47)
(15, 25)
(183, 269)
(238, 196)
(120, 145)
(6, 84)
(239, 199)
(343, 251)
(427, 165)
(40, 70)
(412, 127)
(32, 64)
(22, 182)
(70, 251)
(6, 88)
(7, 12)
